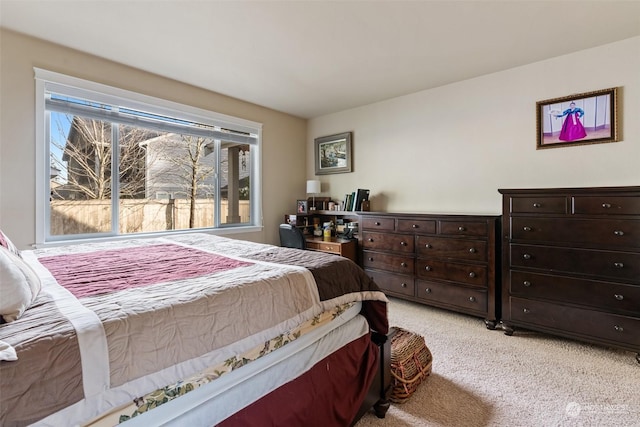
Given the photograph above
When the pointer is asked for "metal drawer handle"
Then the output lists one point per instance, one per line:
(461, 228)
(526, 228)
(618, 265)
(526, 283)
(472, 250)
(370, 258)
(526, 256)
(537, 205)
(428, 290)
(377, 223)
(472, 299)
(618, 328)
(415, 226)
(618, 233)
(606, 205)
(472, 274)
(370, 239)
(403, 243)
(403, 264)
(428, 246)
(619, 297)
(404, 285)
(427, 268)
(526, 310)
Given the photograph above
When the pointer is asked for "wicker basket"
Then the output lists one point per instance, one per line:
(410, 364)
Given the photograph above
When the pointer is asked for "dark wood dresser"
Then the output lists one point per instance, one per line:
(447, 261)
(571, 263)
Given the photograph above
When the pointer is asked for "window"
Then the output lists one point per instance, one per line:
(113, 162)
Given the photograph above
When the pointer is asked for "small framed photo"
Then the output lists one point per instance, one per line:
(583, 118)
(302, 207)
(333, 153)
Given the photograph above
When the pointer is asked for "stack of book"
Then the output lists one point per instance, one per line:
(353, 201)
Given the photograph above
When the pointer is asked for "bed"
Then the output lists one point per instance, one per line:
(190, 329)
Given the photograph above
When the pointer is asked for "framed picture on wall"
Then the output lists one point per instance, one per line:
(584, 118)
(333, 153)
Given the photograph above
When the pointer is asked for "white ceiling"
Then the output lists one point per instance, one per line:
(310, 58)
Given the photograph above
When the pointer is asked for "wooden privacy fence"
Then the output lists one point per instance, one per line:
(136, 215)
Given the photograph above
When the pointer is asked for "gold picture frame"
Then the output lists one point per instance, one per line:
(579, 119)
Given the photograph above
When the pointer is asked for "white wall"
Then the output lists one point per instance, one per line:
(283, 135)
(449, 149)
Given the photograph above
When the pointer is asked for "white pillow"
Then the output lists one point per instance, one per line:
(19, 285)
(7, 352)
(5, 242)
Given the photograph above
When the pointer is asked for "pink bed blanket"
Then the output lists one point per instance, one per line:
(102, 272)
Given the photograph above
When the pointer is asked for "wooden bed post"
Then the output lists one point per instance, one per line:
(377, 396)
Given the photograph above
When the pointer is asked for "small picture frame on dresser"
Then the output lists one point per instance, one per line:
(578, 119)
(302, 207)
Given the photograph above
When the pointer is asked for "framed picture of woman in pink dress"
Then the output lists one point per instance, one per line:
(584, 118)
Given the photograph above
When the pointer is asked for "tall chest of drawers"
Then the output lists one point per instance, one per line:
(448, 261)
(571, 263)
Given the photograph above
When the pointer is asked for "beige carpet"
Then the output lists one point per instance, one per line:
(485, 378)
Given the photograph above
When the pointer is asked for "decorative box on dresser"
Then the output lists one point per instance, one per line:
(443, 260)
(571, 263)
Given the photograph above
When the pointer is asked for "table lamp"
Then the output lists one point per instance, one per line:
(313, 187)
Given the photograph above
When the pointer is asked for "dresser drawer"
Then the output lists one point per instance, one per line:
(463, 228)
(388, 262)
(417, 226)
(607, 296)
(440, 247)
(623, 233)
(539, 204)
(470, 274)
(460, 296)
(605, 264)
(605, 205)
(396, 283)
(378, 223)
(586, 323)
(403, 243)
(330, 247)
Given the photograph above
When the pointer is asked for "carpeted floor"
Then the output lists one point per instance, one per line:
(485, 378)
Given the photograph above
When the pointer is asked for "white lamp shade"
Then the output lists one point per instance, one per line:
(313, 186)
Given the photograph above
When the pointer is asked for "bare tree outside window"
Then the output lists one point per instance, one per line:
(181, 167)
(87, 155)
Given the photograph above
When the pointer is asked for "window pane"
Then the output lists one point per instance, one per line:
(178, 182)
(235, 183)
(125, 163)
(80, 175)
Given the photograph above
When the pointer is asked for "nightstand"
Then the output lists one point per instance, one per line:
(343, 247)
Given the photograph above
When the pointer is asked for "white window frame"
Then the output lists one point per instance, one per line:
(49, 80)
